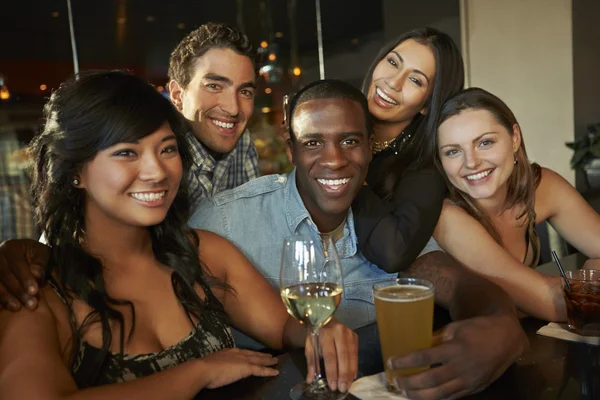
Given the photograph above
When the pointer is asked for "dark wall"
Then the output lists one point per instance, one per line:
(586, 69)
(400, 16)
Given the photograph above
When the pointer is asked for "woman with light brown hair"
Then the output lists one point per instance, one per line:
(497, 197)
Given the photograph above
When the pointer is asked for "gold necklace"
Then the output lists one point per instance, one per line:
(380, 146)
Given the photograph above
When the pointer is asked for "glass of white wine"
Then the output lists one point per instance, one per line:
(311, 284)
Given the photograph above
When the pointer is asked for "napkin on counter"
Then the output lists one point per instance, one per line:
(373, 387)
(561, 331)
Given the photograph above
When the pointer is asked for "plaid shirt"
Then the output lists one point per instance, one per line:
(208, 177)
(16, 210)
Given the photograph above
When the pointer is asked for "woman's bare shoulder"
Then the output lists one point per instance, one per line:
(211, 242)
(552, 187)
(551, 179)
(215, 252)
(451, 209)
(50, 314)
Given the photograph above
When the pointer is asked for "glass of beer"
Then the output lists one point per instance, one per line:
(404, 309)
(311, 285)
(583, 301)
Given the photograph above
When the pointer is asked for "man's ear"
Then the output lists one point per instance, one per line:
(290, 151)
(176, 92)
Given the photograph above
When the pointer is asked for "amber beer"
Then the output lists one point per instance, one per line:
(404, 309)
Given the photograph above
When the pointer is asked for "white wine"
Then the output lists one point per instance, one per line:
(312, 303)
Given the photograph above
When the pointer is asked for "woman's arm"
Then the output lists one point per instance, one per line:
(391, 234)
(461, 236)
(576, 221)
(253, 305)
(256, 309)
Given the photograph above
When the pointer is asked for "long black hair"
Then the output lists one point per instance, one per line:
(87, 114)
(419, 151)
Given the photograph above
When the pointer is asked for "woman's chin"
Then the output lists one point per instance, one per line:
(480, 193)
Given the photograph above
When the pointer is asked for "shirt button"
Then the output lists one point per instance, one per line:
(309, 222)
(281, 179)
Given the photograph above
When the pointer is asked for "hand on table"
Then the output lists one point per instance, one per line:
(22, 263)
(231, 365)
(339, 348)
(473, 353)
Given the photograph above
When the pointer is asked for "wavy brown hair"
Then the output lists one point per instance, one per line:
(523, 180)
(198, 42)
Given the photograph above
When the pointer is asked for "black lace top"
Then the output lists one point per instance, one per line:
(391, 233)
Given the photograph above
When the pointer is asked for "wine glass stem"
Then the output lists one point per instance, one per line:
(314, 338)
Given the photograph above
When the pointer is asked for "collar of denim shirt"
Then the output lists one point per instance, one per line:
(297, 215)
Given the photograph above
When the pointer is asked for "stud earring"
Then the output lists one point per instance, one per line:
(75, 182)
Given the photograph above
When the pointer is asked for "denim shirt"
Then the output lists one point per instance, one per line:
(258, 215)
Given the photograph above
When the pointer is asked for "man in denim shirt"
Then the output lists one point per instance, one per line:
(258, 215)
(330, 143)
(330, 147)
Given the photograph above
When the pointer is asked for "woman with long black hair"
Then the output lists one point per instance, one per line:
(397, 210)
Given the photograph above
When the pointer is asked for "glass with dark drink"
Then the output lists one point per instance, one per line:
(583, 301)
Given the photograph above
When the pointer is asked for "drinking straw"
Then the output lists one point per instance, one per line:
(562, 271)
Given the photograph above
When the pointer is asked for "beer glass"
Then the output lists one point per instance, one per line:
(404, 310)
(311, 288)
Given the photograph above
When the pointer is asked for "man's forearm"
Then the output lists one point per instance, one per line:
(463, 293)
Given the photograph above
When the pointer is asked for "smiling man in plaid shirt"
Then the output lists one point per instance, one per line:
(212, 83)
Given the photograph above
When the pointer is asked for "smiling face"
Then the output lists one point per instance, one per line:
(402, 83)
(219, 100)
(133, 184)
(477, 153)
(331, 152)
